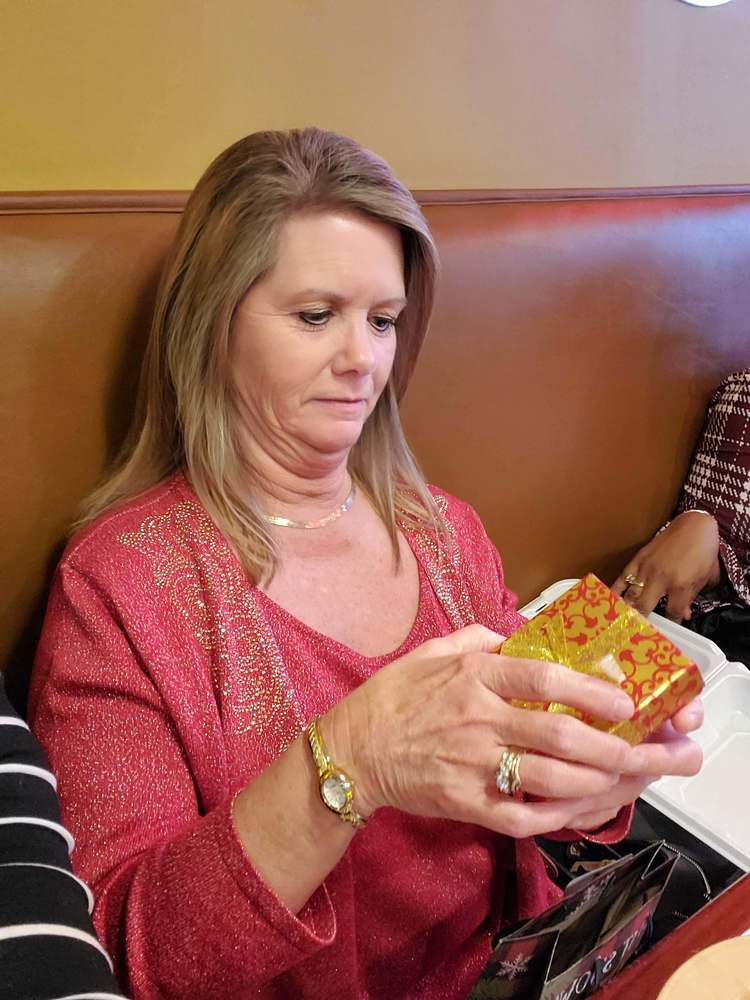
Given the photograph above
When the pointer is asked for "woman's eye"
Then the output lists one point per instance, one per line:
(382, 324)
(318, 317)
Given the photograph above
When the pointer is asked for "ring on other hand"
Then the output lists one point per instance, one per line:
(632, 581)
(507, 776)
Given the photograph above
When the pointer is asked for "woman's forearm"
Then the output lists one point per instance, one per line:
(292, 839)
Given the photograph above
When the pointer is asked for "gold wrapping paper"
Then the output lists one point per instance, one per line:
(592, 630)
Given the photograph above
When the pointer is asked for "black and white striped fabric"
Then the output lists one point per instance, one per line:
(48, 949)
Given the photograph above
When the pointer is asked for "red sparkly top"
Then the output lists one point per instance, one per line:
(164, 682)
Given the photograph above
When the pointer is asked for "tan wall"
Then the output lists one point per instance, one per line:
(455, 93)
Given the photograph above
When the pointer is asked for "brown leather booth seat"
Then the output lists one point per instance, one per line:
(576, 340)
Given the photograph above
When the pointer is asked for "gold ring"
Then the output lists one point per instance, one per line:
(632, 581)
(507, 775)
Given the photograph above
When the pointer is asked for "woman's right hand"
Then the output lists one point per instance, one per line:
(425, 734)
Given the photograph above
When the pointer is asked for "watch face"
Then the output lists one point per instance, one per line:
(335, 792)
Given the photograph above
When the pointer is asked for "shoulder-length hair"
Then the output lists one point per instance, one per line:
(227, 238)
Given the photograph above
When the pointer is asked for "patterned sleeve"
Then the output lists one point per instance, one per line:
(719, 477)
(177, 901)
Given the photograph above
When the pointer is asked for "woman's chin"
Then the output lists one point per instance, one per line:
(335, 442)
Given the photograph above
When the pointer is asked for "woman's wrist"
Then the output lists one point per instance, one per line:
(683, 515)
(343, 735)
(699, 517)
(696, 510)
(289, 836)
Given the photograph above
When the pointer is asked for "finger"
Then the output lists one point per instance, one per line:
(565, 738)
(689, 718)
(593, 821)
(548, 778)
(631, 569)
(679, 756)
(645, 599)
(620, 585)
(533, 680)
(519, 819)
(665, 733)
(608, 804)
(471, 639)
(679, 600)
(678, 616)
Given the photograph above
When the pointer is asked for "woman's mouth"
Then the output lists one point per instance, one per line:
(344, 404)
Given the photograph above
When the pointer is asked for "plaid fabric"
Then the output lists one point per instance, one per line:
(719, 482)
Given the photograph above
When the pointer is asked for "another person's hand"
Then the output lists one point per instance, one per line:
(678, 564)
(425, 735)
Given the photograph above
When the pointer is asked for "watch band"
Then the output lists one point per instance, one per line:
(329, 774)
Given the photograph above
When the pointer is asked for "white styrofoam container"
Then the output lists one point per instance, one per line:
(713, 805)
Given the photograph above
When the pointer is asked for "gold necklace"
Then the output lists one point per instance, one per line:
(286, 522)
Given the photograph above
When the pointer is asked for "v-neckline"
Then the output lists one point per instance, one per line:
(185, 487)
(340, 647)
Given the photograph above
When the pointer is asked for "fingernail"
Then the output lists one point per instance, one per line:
(694, 716)
(622, 705)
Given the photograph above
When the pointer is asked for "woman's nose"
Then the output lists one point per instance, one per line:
(356, 350)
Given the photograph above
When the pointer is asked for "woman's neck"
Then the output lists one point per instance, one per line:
(300, 494)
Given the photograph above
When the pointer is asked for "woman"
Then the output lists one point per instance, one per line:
(699, 563)
(268, 554)
(47, 944)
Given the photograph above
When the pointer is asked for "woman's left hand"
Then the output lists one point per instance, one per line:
(668, 751)
(678, 563)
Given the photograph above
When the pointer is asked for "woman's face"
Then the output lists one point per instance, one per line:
(313, 340)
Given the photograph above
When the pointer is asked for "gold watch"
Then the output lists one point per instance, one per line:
(336, 787)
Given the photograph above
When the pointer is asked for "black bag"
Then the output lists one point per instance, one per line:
(700, 872)
(686, 892)
(729, 628)
(585, 939)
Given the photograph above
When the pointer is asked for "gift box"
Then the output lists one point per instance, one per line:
(592, 630)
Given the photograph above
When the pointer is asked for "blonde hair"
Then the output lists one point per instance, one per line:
(185, 416)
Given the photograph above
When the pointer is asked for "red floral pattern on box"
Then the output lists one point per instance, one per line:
(592, 630)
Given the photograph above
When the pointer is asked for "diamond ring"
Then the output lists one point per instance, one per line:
(507, 775)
